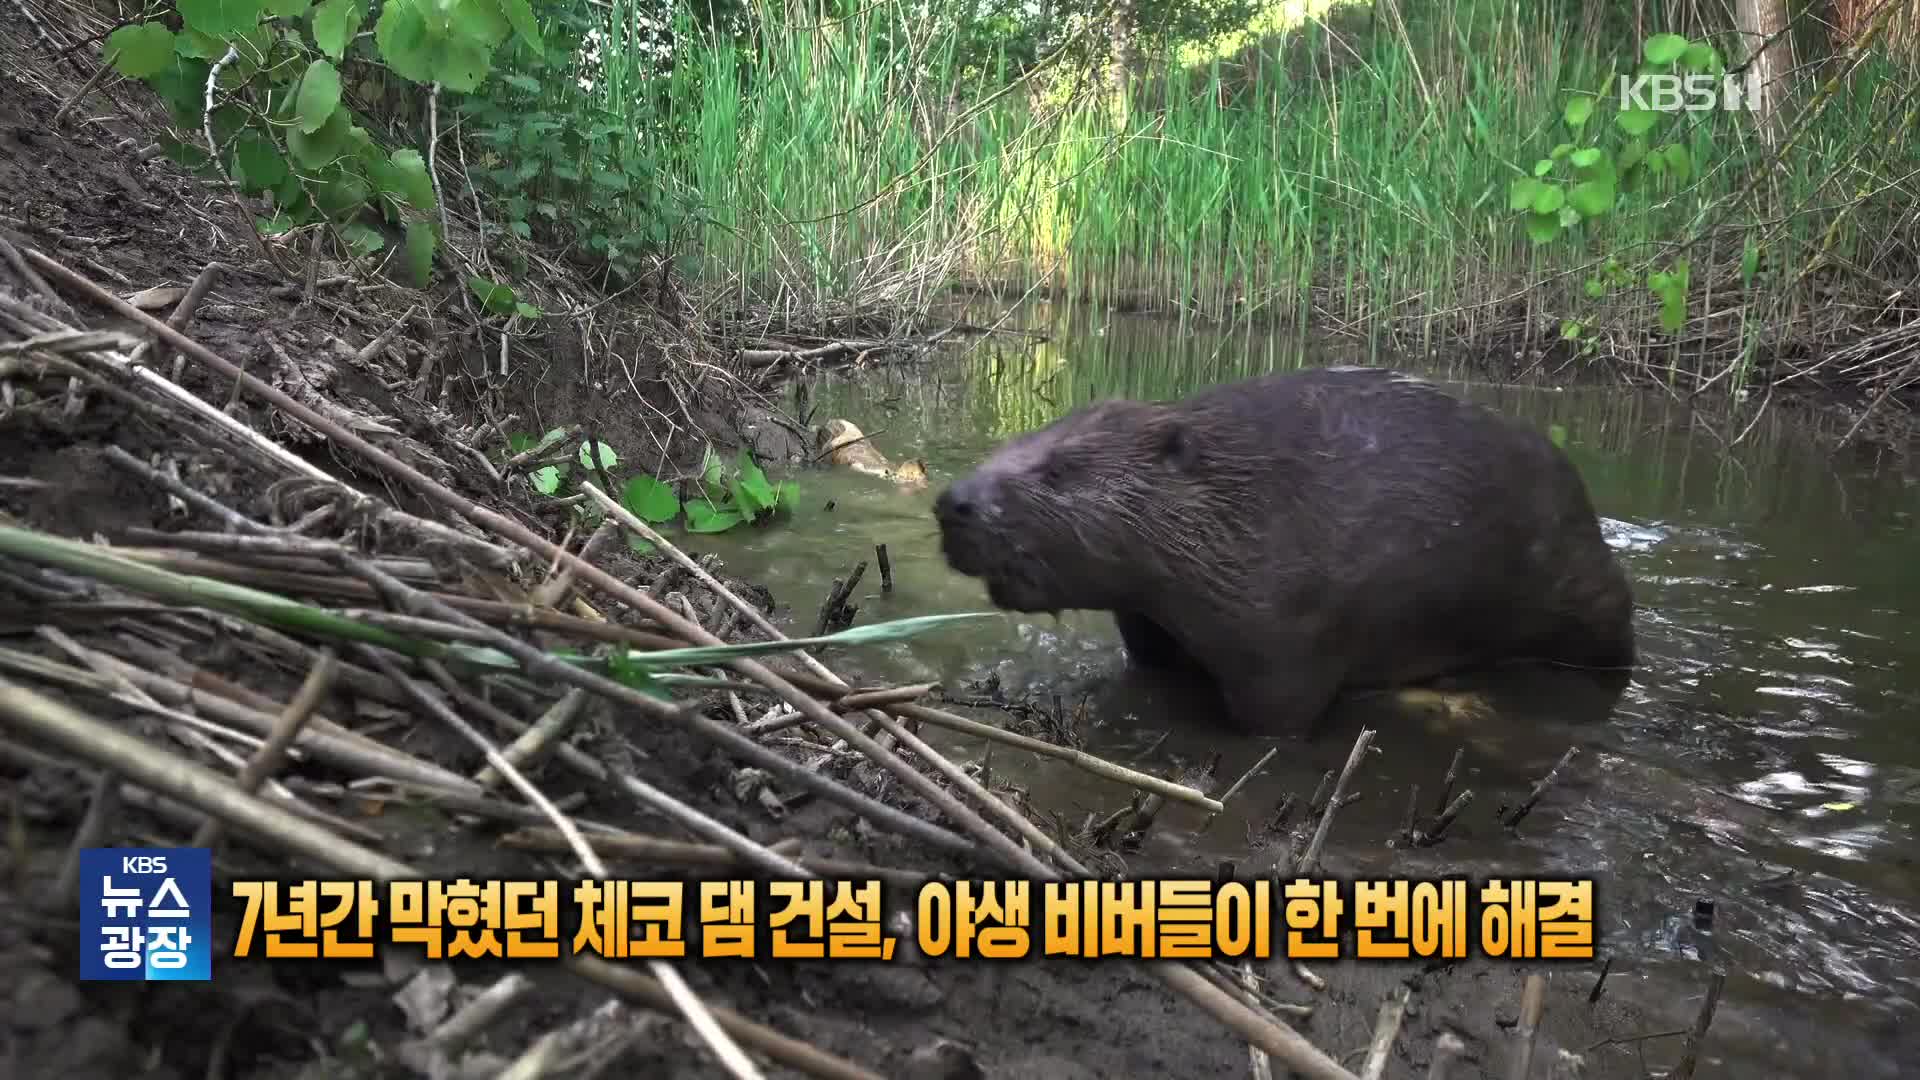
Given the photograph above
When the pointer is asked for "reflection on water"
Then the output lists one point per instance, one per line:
(1765, 755)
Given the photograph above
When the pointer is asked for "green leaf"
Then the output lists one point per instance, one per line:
(1570, 330)
(704, 517)
(638, 544)
(650, 500)
(1592, 198)
(319, 96)
(1636, 121)
(1561, 151)
(334, 24)
(520, 14)
(1569, 217)
(1632, 154)
(410, 172)
(1701, 57)
(1542, 227)
(1579, 110)
(608, 458)
(1550, 199)
(420, 245)
(362, 239)
(1557, 434)
(1664, 49)
(1596, 288)
(141, 50)
(498, 300)
(1749, 263)
(1586, 156)
(752, 476)
(1522, 193)
(287, 9)
(425, 43)
(1673, 308)
(873, 634)
(546, 480)
(526, 310)
(621, 667)
(220, 18)
(258, 163)
(320, 148)
(788, 496)
(1543, 167)
(1679, 162)
(199, 46)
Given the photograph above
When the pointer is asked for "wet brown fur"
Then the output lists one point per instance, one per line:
(1296, 535)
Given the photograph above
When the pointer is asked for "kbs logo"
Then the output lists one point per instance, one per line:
(1690, 93)
(145, 913)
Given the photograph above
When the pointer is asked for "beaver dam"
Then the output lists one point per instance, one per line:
(1747, 804)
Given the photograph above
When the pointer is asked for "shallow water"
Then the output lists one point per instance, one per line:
(1765, 755)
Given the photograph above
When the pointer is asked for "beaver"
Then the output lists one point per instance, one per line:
(1296, 536)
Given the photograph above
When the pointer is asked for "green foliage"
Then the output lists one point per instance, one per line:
(573, 140)
(282, 125)
(726, 498)
(1591, 176)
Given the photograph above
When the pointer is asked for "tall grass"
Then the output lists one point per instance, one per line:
(1360, 178)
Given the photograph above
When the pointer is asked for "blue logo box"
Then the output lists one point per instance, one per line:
(146, 914)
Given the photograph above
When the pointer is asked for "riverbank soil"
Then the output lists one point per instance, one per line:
(78, 193)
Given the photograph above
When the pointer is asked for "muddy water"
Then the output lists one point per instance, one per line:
(1765, 756)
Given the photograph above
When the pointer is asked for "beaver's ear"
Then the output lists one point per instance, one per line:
(1176, 446)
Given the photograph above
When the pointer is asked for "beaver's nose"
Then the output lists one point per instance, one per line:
(962, 500)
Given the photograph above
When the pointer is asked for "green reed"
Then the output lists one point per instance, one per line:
(838, 162)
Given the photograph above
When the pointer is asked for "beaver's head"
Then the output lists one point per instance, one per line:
(1073, 515)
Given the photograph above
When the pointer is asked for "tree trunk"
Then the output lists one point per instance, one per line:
(1759, 22)
(1120, 36)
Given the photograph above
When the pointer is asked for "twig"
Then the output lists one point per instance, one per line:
(103, 808)
(551, 727)
(886, 567)
(460, 1028)
(1258, 1063)
(1312, 854)
(1460, 802)
(268, 759)
(1385, 1031)
(1513, 818)
(1533, 1002)
(1690, 1052)
(1446, 786)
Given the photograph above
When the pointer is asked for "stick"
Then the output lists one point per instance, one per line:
(1312, 854)
(886, 567)
(1385, 1031)
(1446, 786)
(1540, 788)
(268, 759)
(1689, 1053)
(1533, 1002)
